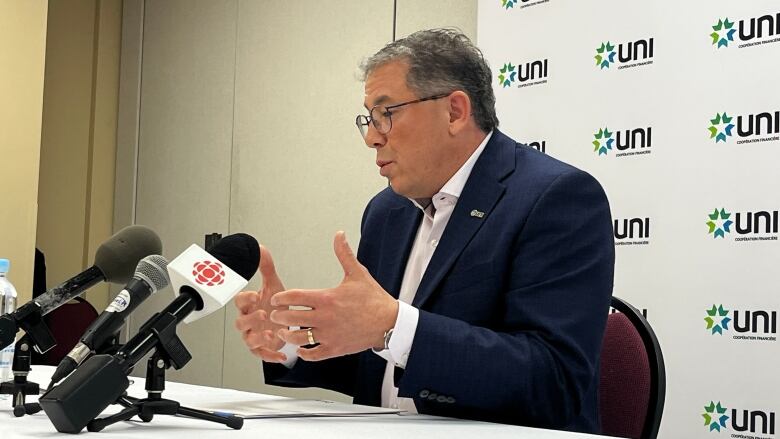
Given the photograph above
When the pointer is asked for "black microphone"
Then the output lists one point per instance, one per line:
(102, 379)
(115, 261)
(150, 276)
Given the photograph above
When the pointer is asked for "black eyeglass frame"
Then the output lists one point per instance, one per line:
(362, 120)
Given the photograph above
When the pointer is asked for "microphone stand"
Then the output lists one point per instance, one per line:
(37, 335)
(169, 351)
(19, 388)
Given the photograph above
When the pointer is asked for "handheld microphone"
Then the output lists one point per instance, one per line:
(150, 276)
(203, 283)
(115, 261)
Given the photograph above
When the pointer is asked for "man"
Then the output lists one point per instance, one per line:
(484, 272)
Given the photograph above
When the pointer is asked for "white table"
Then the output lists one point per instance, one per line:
(381, 426)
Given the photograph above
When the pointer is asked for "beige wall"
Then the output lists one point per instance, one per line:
(104, 134)
(250, 105)
(414, 15)
(78, 143)
(22, 50)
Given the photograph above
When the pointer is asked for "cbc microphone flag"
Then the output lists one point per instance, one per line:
(214, 281)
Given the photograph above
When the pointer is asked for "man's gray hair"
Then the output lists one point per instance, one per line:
(443, 61)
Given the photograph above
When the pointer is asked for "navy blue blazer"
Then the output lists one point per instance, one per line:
(513, 304)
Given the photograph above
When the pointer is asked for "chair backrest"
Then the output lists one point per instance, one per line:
(67, 323)
(633, 377)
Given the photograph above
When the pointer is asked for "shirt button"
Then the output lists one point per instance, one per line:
(394, 406)
(434, 242)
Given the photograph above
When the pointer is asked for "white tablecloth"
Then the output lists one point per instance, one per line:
(380, 426)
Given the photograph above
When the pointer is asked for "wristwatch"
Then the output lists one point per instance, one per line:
(388, 335)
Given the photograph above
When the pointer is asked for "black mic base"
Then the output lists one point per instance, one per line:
(155, 404)
(19, 388)
(146, 408)
(83, 395)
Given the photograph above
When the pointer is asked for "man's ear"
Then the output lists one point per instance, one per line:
(460, 111)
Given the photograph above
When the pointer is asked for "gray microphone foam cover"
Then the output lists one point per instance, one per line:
(118, 257)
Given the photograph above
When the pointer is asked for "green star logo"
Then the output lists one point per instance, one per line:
(506, 75)
(603, 141)
(605, 55)
(723, 33)
(714, 416)
(719, 223)
(717, 319)
(506, 4)
(721, 127)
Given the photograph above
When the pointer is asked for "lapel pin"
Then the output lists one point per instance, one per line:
(477, 213)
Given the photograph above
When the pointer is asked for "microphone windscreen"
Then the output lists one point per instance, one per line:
(240, 252)
(118, 257)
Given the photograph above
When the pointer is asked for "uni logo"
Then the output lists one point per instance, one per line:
(507, 75)
(723, 33)
(754, 321)
(628, 54)
(721, 127)
(506, 4)
(623, 140)
(760, 222)
(632, 228)
(715, 416)
(719, 223)
(746, 29)
(766, 123)
(741, 420)
(717, 319)
(605, 55)
(208, 273)
(603, 141)
(523, 73)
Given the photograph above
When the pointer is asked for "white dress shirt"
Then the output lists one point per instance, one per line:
(428, 235)
(427, 238)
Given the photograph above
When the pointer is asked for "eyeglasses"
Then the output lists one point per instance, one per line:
(381, 116)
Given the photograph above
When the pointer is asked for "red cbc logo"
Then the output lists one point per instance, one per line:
(208, 273)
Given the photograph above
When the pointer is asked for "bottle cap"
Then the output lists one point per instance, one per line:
(5, 264)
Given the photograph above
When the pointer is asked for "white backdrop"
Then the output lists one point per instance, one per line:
(677, 257)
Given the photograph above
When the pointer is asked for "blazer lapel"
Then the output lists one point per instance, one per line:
(398, 237)
(480, 195)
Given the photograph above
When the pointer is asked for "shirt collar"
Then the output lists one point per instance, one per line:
(454, 186)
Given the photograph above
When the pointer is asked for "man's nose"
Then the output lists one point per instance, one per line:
(374, 139)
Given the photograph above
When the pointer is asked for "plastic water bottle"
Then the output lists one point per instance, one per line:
(7, 304)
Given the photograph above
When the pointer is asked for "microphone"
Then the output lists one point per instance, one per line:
(115, 260)
(203, 283)
(150, 276)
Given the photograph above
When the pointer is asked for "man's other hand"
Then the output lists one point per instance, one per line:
(346, 319)
(254, 307)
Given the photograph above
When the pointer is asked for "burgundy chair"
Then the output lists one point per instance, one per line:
(67, 323)
(633, 377)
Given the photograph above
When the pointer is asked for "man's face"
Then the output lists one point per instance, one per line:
(413, 155)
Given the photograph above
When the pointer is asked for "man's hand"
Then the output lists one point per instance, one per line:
(349, 318)
(258, 332)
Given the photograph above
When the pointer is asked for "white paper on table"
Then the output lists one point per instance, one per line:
(295, 408)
